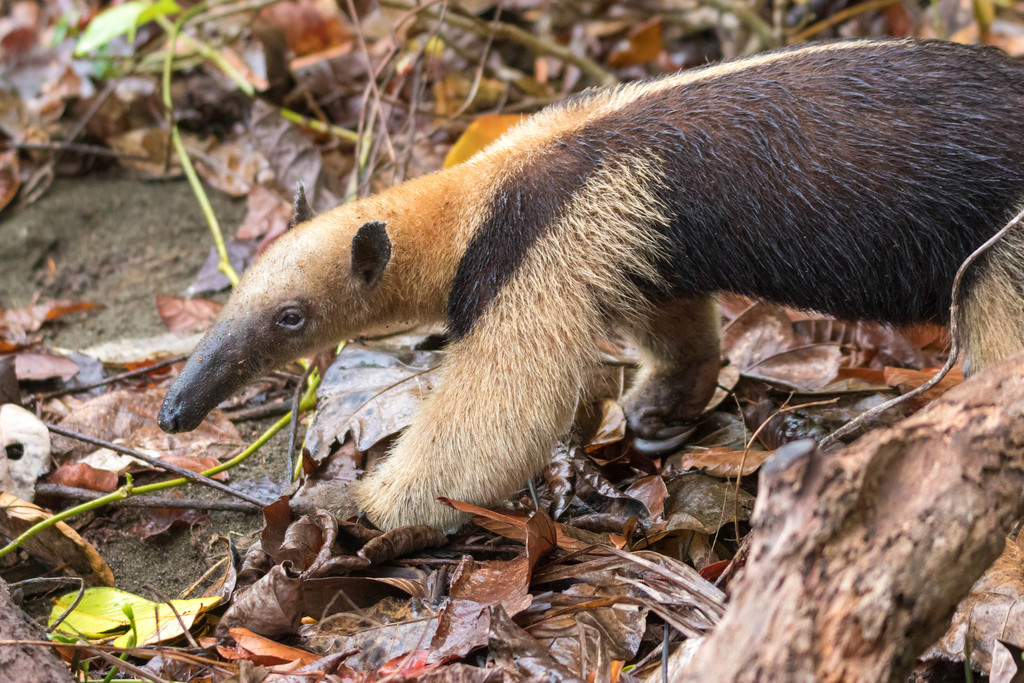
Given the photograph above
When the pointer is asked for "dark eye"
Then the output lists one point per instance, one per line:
(291, 320)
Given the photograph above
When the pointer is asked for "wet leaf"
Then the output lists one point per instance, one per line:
(479, 134)
(55, 546)
(100, 615)
(399, 542)
(186, 315)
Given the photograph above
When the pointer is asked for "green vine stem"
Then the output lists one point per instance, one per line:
(173, 30)
(307, 403)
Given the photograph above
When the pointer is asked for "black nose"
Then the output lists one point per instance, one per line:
(168, 419)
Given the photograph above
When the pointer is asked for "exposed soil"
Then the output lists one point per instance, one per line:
(119, 242)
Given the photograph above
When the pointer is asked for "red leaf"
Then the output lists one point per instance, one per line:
(83, 476)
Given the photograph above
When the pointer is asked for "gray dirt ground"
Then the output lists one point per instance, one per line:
(119, 242)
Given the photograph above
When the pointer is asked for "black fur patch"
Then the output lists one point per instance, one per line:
(851, 182)
(524, 208)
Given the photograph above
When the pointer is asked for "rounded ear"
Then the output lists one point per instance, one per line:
(371, 251)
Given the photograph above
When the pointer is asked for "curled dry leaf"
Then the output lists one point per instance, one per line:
(262, 650)
(58, 546)
(612, 428)
(186, 315)
(307, 27)
(399, 542)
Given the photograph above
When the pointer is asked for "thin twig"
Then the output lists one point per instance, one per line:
(954, 346)
(194, 477)
(110, 380)
(839, 17)
(272, 409)
(147, 502)
(129, 489)
(503, 31)
(177, 615)
(293, 427)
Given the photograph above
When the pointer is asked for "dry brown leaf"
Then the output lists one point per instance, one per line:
(148, 151)
(760, 332)
(37, 366)
(650, 491)
(643, 45)
(128, 416)
(57, 546)
(906, 380)
(307, 27)
(264, 651)
(10, 177)
(612, 428)
(267, 214)
(83, 476)
(807, 368)
(31, 318)
(993, 610)
(722, 461)
(482, 132)
(186, 315)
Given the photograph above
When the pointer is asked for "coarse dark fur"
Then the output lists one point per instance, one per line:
(849, 178)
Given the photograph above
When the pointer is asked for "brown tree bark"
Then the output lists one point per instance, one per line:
(861, 555)
(26, 663)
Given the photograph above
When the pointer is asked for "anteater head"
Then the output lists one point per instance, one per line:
(318, 283)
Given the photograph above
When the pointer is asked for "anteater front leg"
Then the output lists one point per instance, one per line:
(680, 362)
(507, 393)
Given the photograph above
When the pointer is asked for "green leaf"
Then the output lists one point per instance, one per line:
(101, 614)
(120, 20)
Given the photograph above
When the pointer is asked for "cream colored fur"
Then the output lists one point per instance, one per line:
(508, 389)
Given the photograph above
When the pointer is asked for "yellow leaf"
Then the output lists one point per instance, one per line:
(480, 133)
(100, 615)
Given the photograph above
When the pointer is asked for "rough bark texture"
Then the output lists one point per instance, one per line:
(861, 555)
(26, 663)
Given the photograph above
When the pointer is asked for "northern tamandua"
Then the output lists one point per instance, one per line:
(850, 178)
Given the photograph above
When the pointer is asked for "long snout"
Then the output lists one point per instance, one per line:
(223, 362)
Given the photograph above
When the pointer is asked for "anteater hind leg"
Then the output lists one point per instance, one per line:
(992, 318)
(680, 363)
